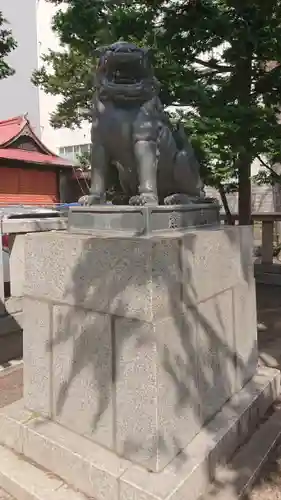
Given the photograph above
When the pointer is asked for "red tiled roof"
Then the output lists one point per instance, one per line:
(10, 129)
(33, 157)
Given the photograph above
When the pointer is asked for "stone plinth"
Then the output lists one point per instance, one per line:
(142, 220)
(134, 343)
(47, 447)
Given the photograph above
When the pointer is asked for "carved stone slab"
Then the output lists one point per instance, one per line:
(141, 220)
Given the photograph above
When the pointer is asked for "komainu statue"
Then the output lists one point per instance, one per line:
(133, 137)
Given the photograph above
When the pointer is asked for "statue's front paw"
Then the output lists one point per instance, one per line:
(92, 199)
(144, 199)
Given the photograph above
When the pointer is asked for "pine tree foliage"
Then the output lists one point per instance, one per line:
(221, 58)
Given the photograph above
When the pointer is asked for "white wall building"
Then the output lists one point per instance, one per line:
(17, 94)
(64, 141)
(30, 22)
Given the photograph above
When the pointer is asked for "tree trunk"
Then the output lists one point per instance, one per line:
(229, 219)
(244, 190)
(276, 191)
(244, 160)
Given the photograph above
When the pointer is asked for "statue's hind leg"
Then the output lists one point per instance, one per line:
(188, 187)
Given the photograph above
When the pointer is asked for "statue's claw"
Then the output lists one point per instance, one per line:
(92, 199)
(144, 199)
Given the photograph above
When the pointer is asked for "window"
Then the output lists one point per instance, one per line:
(86, 148)
(71, 152)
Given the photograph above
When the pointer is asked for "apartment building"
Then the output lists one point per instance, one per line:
(66, 142)
(30, 21)
(17, 94)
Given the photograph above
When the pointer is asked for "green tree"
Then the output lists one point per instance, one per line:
(84, 161)
(7, 44)
(211, 55)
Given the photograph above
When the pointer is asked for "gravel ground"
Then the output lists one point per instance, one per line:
(268, 487)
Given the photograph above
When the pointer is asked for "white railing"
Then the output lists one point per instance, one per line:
(267, 265)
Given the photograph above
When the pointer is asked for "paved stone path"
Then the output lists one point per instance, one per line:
(11, 388)
(268, 487)
(5, 496)
(11, 385)
(269, 324)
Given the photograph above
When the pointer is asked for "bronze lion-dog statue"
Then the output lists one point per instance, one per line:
(133, 137)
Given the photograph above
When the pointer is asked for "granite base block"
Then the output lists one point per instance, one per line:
(22, 480)
(135, 343)
(101, 474)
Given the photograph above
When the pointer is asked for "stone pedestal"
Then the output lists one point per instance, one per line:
(136, 342)
(142, 220)
(140, 365)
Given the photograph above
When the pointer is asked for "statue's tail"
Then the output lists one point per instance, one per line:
(188, 162)
(186, 145)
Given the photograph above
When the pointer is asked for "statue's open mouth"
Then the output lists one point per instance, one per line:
(125, 70)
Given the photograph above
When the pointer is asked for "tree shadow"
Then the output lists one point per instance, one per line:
(132, 353)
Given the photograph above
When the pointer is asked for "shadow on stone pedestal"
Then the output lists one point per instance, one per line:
(140, 360)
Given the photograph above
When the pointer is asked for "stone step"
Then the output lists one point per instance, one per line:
(240, 474)
(25, 481)
(99, 473)
(80, 462)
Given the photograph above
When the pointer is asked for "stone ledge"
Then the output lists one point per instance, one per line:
(21, 226)
(142, 220)
(99, 473)
(24, 481)
(81, 463)
(13, 305)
